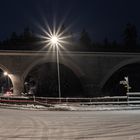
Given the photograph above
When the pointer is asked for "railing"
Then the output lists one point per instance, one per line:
(133, 98)
(51, 100)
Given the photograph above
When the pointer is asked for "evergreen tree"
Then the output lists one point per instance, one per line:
(27, 34)
(130, 37)
(115, 46)
(106, 45)
(85, 41)
(14, 36)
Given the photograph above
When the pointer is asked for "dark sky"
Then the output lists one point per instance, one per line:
(102, 18)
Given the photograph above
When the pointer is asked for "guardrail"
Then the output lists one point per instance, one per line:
(133, 97)
(51, 100)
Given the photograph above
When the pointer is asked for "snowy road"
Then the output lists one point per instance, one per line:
(75, 125)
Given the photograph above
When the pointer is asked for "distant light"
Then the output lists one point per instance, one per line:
(5, 73)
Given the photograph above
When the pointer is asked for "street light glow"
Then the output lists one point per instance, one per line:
(54, 36)
(5, 73)
(54, 40)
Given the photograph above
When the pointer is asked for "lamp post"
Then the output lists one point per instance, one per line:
(54, 40)
(7, 77)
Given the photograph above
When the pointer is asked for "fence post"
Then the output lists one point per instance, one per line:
(127, 98)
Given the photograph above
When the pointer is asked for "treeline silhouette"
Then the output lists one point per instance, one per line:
(28, 40)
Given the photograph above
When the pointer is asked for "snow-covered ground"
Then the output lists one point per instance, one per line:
(69, 125)
(72, 107)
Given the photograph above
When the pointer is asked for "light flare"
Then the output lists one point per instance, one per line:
(53, 37)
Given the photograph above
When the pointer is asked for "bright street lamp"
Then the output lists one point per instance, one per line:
(7, 78)
(54, 40)
(5, 73)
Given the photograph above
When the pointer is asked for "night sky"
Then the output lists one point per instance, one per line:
(101, 18)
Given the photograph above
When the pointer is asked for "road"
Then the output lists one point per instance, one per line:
(69, 125)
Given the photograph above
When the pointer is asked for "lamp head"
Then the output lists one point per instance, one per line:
(54, 40)
(5, 73)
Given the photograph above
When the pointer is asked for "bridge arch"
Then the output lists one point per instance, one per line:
(66, 65)
(5, 69)
(116, 68)
(75, 68)
(9, 76)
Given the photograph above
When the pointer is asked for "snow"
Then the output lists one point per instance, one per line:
(72, 107)
(69, 125)
(96, 107)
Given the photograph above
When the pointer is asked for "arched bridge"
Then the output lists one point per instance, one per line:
(92, 68)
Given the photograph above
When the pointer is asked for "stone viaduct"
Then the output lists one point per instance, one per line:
(92, 68)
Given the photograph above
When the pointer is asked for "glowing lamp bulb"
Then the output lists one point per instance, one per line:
(54, 40)
(5, 73)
